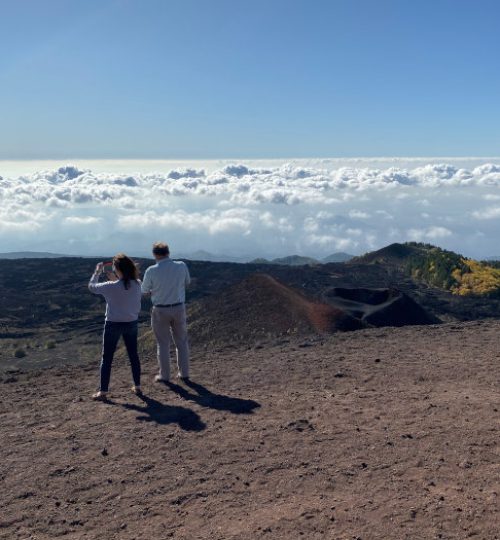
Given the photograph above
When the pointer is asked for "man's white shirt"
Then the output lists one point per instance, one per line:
(166, 281)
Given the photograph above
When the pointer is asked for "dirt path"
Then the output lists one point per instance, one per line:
(376, 434)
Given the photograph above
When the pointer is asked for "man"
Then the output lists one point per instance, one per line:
(166, 281)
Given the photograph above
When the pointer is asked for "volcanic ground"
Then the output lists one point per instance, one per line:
(382, 433)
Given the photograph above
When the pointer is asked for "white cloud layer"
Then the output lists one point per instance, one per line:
(310, 207)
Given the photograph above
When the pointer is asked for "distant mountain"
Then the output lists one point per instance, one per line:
(202, 255)
(337, 257)
(291, 260)
(260, 260)
(295, 260)
(31, 255)
(299, 260)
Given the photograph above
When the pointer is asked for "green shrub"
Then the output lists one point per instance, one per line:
(19, 353)
(50, 345)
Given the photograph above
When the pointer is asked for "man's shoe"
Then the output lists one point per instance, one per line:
(185, 379)
(159, 378)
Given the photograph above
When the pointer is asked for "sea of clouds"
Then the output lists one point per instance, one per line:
(250, 209)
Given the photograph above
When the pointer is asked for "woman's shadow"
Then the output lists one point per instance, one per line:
(156, 411)
(204, 397)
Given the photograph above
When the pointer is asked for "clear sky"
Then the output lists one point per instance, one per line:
(206, 79)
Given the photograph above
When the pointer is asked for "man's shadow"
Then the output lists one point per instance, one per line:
(206, 398)
(156, 411)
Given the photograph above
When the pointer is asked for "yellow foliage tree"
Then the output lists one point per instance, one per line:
(480, 280)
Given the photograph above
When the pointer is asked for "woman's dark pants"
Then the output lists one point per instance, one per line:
(112, 333)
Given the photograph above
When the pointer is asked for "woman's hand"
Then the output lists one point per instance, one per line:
(98, 268)
(111, 276)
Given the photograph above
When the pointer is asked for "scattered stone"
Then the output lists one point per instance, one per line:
(300, 425)
(26, 495)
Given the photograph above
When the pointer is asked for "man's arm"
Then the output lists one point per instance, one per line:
(146, 284)
(187, 278)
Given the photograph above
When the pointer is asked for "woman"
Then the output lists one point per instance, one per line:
(123, 303)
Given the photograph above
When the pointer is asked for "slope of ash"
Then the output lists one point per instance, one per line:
(260, 306)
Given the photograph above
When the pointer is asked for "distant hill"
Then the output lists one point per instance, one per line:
(299, 260)
(337, 257)
(202, 255)
(295, 260)
(291, 260)
(440, 268)
(31, 255)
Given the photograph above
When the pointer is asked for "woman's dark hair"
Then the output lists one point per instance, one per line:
(127, 267)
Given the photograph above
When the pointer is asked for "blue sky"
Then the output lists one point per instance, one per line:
(191, 79)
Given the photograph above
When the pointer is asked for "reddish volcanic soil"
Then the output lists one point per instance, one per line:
(387, 433)
(259, 307)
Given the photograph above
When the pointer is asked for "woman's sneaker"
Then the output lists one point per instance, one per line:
(100, 396)
(137, 390)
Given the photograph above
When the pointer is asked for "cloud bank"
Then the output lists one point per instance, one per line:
(248, 210)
